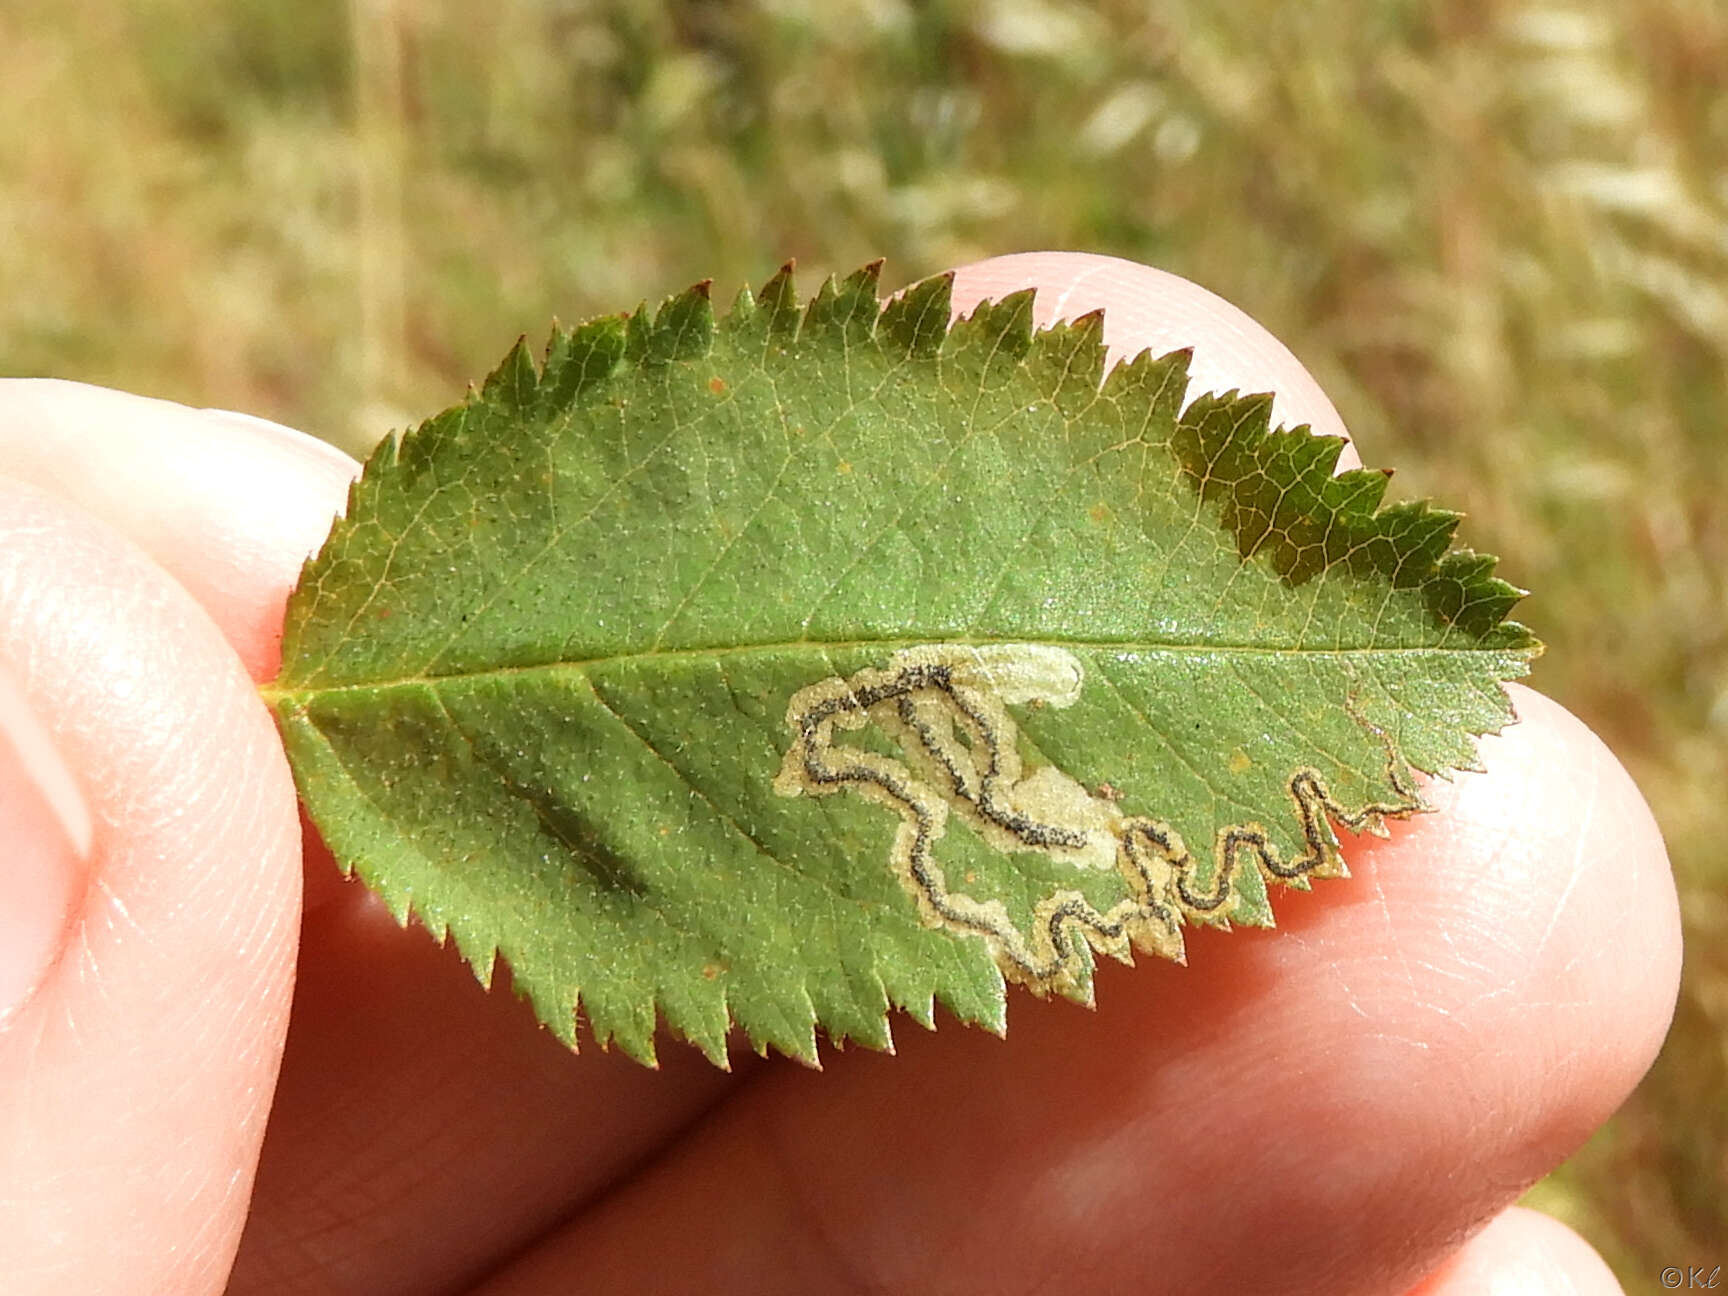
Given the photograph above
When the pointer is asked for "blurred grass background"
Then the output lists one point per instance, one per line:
(1497, 231)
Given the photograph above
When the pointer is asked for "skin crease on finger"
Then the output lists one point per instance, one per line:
(1082, 1135)
(1333, 1107)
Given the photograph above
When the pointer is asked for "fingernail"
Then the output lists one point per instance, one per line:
(305, 444)
(45, 835)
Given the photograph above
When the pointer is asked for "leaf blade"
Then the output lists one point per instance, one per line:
(626, 564)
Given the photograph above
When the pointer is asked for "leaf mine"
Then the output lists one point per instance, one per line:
(946, 706)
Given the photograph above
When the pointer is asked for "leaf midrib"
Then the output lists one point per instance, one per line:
(273, 694)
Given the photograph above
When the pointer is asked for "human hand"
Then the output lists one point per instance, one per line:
(1332, 1107)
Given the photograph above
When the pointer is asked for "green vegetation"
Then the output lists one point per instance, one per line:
(1495, 235)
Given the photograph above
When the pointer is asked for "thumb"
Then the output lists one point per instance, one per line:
(149, 902)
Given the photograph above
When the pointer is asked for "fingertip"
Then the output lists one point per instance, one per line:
(1523, 1253)
(1570, 875)
(1550, 870)
(1512, 958)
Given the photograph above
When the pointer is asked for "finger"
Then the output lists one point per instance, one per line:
(228, 505)
(1523, 1253)
(134, 1076)
(1153, 310)
(425, 1128)
(1324, 1108)
(397, 1060)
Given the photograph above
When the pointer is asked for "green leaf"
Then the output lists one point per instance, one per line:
(783, 669)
